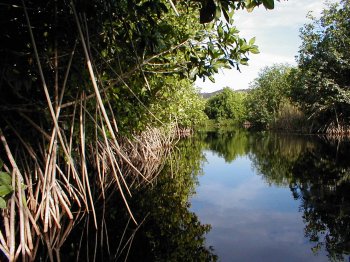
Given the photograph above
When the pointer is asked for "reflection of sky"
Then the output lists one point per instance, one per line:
(251, 221)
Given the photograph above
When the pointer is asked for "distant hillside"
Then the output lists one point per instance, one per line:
(207, 95)
(243, 90)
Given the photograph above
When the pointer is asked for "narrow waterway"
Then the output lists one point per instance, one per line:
(233, 196)
(272, 197)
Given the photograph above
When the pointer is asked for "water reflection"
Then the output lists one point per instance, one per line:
(268, 197)
(168, 230)
(228, 145)
(321, 182)
(315, 170)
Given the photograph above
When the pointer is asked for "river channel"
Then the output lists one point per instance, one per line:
(231, 196)
(274, 197)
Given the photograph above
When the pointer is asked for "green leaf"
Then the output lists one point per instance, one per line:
(269, 4)
(244, 61)
(5, 190)
(252, 41)
(249, 5)
(2, 203)
(218, 12)
(254, 50)
(193, 72)
(211, 78)
(233, 30)
(245, 47)
(220, 31)
(5, 178)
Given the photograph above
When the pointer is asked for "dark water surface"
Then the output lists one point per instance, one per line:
(233, 196)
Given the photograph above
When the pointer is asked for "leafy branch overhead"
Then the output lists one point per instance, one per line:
(212, 9)
(225, 48)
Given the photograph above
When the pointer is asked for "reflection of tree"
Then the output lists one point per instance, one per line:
(319, 175)
(274, 155)
(321, 181)
(169, 232)
(228, 145)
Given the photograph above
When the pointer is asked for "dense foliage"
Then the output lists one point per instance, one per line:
(321, 84)
(180, 103)
(269, 96)
(314, 96)
(227, 104)
(131, 52)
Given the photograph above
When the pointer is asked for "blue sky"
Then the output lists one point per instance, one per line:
(277, 35)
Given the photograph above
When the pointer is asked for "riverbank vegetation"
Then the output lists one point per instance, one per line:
(312, 97)
(167, 231)
(322, 79)
(315, 94)
(90, 92)
(268, 104)
(225, 109)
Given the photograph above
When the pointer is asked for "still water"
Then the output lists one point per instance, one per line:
(271, 197)
(233, 196)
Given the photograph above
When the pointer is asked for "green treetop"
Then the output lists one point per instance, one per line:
(322, 84)
(228, 104)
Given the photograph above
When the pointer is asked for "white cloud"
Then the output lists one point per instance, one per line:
(224, 197)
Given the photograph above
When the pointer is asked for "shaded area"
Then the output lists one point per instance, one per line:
(167, 230)
(321, 182)
(313, 170)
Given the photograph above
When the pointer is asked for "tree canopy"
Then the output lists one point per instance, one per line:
(227, 104)
(269, 90)
(321, 84)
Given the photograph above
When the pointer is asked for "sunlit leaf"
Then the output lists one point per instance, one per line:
(252, 41)
(254, 50)
(193, 72)
(218, 12)
(249, 5)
